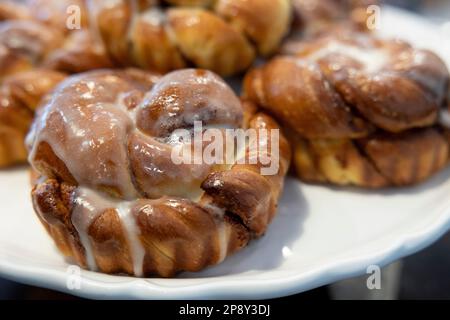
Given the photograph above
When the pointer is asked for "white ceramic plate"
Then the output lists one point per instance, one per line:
(320, 235)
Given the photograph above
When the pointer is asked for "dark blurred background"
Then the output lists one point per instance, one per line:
(425, 275)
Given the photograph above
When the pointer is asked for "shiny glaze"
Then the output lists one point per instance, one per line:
(181, 98)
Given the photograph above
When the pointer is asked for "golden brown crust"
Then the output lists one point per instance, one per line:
(215, 35)
(263, 21)
(300, 94)
(29, 38)
(20, 95)
(336, 161)
(175, 231)
(379, 160)
(27, 47)
(243, 190)
(360, 110)
(172, 242)
(152, 47)
(28, 43)
(408, 157)
(79, 52)
(313, 17)
(11, 63)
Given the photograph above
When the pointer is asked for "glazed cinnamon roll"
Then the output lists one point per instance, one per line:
(31, 43)
(223, 36)
(361, 111)
(53, 13)
(110, 193)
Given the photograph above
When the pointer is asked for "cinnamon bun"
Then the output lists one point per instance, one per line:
(362, 111)
(111, 195)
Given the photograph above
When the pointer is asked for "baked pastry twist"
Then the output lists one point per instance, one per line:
(223, 35)
(36, 33)
(38, 41)
(110, 194)
(361, 110)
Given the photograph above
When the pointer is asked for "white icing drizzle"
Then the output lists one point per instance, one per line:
(373, 59)
(89, 204)
(94, 149)
(88, 126)
(132, 231)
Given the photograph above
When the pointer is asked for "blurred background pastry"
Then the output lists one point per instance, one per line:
(36, 51)
(362, 111)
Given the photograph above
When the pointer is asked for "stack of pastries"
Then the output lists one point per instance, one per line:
(105, 102)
